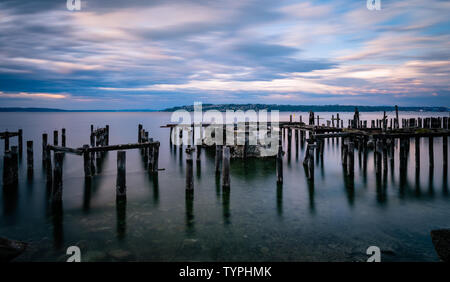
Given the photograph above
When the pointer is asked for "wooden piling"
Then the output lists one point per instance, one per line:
(155, 156)
(189, 169)
(20, 141)
(280, 165)
(87, 163)
(63, 137)
(44, 146)
(218, 158)
(140, 133)
(6, 137)
(226, 168)
(55, 138)
(8, 170)
(121, 175)
(107, 135)
(57, 177)
(30, 155)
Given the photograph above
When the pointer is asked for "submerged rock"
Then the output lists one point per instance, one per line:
(10, 249)
(441, 242)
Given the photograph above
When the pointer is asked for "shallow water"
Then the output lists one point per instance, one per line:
(256, 221)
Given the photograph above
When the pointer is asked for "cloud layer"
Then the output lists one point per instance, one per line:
(156, 54)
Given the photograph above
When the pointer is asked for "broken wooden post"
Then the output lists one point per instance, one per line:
(92, 157)
(8, 170)
(226, 168)
(289, 139)
(218, 158)
(57, 177)
(20, 141)
(431, 151)
(15, 164)
(280, 165)
(63, 137)
(155, 156)
(44, 146)
(30, 155)
(396, 121)
(107, 135)
(140, 133)
(121, 192)
(87, 162)
(55, 138)
(189, 169)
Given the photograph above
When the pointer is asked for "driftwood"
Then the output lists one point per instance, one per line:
(9, 249)
(441, 242)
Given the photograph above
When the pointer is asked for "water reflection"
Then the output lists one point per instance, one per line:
(226, 206)
(57, 215)
(280, 199)
(190, 220)
(121, 215)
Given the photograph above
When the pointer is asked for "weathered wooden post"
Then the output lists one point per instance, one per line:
(63, 137)
(121, 191)
(218, 158)
(417, 151)
(431, 151)
(8, 169)
(146, 149)
(92, 157)
(55, 137)
(87, 162)
(140, 133)
(57, 177)
(30, 155)
(44, 146)
(6, 137)
(289, 136)
(20, 141)
(226, 168)
(107, 135)
(280, 165)
(15, 164)
(396, 121)
(155, 155)
(402, 154)
(189, 169)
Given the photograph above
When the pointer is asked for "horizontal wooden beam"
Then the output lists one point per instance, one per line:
(80, 151)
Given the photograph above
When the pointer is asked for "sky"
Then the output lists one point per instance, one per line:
(154, 54)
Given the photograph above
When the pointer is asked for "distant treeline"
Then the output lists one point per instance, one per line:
(256, 107)
(67, 111)
(306, 108)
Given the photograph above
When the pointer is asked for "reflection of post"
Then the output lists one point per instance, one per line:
(226, 206)
(189, 199)
(431, 151)
(445, 150)
(121, 212)
(280, 199)
(417, 152)
(57, 219)
(30, 156)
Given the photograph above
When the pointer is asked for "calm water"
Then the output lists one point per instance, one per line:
(256, 221)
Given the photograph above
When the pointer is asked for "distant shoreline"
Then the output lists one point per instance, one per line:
(256, 107)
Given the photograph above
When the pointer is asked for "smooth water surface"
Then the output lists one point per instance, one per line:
(256, 221)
